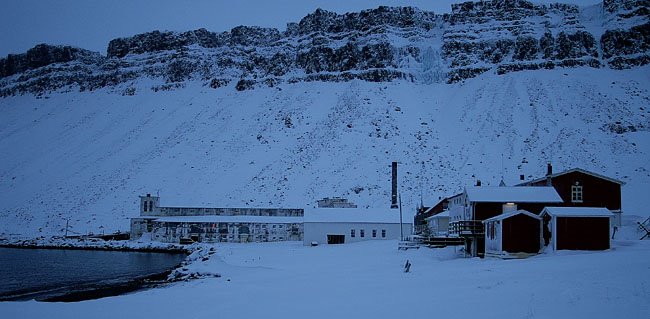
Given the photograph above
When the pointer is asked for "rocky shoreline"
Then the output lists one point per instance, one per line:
(182, 272)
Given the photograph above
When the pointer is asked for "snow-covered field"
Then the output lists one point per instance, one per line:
(366, 280)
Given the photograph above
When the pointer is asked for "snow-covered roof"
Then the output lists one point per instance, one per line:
(578, 211)
(443, 214)
(231, 219)
(510, 214)
(353, 215)
(577, 170)
(514, 194)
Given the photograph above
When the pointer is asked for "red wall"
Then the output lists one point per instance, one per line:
(520, 233)
(582, 233)
(596, 192)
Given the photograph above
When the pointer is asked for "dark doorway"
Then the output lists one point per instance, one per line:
(335, 239)
(582, 233)
(520, 234)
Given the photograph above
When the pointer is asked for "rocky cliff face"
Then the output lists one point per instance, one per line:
(382, 44)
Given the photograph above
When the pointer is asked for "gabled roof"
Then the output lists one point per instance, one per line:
(514, 194)
(580, 170)
(444, 213)
(577, 211)
(510, 214)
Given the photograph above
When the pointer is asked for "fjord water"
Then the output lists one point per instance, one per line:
(41, 273)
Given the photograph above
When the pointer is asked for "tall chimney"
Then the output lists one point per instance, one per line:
(393, 197)
(549, 172)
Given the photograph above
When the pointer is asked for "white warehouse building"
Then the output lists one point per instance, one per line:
(349, 225)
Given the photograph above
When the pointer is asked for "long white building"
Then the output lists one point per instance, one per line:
(349, 225)
(206, 224)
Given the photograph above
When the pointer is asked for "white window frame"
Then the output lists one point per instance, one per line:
(576, 194)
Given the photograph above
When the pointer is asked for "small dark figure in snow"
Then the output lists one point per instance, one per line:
(407, 266)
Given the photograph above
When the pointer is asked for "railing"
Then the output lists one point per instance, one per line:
(466, 227)
(444, 241)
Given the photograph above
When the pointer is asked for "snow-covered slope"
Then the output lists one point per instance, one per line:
(86, 156)
(82, 135)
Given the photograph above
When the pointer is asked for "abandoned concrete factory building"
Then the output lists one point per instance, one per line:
(203, 224)
(334, 221)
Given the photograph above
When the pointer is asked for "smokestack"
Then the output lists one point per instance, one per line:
(549, 172)
(393, 197)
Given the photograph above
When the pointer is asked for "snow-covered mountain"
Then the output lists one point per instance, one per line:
(259, 117)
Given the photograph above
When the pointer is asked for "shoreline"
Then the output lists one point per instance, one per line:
(80, 243)
(111, 290)
(98, 290)
(168, 250)
(91, 291)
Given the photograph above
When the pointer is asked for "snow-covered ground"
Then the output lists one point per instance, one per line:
(366, 280)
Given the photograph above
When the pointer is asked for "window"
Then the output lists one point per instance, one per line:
(374, 233)
(352, 234)
(362, 233)
(145, 206)
(383, 233)
(151, 206)
(491, 230)
(576, 193)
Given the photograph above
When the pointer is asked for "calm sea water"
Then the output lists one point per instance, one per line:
(35, 273)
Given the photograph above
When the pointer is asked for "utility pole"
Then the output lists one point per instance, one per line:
(401, 229)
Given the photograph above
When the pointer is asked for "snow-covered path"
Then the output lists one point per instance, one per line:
(366, 280)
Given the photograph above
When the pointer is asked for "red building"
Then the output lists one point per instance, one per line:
(576, 228)
(588, 193)
(581, 188)
(419, 220)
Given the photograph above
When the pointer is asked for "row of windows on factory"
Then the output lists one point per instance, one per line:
(362, 233)
(223, 237)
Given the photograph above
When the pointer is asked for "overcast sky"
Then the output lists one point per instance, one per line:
(90, 24)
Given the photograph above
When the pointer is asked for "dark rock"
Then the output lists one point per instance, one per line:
(217, 83)
(245, 84)
(458, 75)
(526, 48)
(43, 55)
(625, 42)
